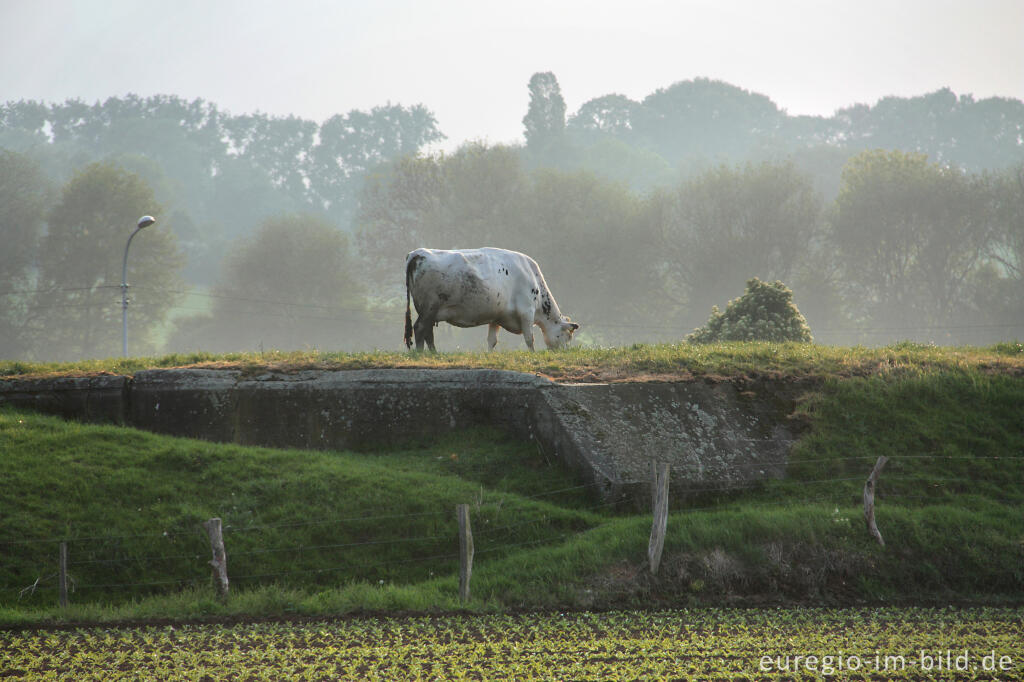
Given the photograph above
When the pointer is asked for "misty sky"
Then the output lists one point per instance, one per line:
(469, 61)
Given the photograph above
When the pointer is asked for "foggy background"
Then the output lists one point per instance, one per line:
(652, 161)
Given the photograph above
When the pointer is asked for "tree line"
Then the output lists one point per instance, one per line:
(901, 220)
(909, 248)
(218, 174)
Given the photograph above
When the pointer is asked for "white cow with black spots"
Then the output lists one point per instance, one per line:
(471, 287)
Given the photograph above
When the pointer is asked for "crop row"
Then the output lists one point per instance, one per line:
(730, 644)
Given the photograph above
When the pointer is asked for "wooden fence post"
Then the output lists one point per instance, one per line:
(465, 551)
(869, 500)
(220, 557)
(63, 575)
(659, 491)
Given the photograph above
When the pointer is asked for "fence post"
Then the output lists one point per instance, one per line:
(659, 491)
(869, 500)
(465, 551)
(63, 575)
(220, 557)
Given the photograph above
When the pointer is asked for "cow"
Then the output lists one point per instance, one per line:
(472, 287)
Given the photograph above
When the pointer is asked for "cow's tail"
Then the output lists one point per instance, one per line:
(408, 318)
(410, 265)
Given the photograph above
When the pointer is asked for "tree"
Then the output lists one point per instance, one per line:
(76, 312)
(593, 238)
(610, 114)
(545, 119)
(24, 195)
(275, 146)
(595, 243)
(765, 312)
(291, 285)
(996, 287)
(729, 224)
(1008, 242)
(951, 130)
(470, 198)
(611, 158)
(357, 142)
(24, 199)
(705, 118)
(909, 234)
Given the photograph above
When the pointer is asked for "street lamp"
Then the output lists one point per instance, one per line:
(144, 221)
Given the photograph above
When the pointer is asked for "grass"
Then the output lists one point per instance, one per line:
(323, 533)
(130, 505)
(605, 364)
(953, 437)
(804, 554)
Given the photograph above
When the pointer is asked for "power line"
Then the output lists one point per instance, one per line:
(198, 531)
(389, 311)
(22, 292)
(839, 330)
(257, 313)
(251, 299)
(392, 311)
(387, 564)
(349, 519)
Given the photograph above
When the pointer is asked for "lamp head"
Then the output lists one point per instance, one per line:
(146, 221)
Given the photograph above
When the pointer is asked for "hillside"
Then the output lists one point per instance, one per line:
(334, 532)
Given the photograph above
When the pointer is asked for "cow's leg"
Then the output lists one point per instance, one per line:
(428, 334)
(492, 336)
(424, 327)
(527, 324)
(424, 330)
(418, 332)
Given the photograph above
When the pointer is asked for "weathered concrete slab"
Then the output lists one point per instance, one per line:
(195, 403)
(94, 399)
(356, 409)
(712, 434)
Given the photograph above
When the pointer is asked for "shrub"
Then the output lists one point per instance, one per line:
(765, 312)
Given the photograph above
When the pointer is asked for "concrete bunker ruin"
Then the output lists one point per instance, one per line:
(711, 433)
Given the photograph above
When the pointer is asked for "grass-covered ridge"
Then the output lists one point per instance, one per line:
(130, 505)
(639, 361)
(323, 533)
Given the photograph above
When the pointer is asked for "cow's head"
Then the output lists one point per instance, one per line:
(560, 333)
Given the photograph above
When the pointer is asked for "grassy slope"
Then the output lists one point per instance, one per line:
(130, 504)
(948, 506)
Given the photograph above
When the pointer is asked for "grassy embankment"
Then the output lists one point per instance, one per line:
(322, 532)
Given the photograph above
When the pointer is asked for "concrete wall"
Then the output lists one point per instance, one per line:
(711, 433)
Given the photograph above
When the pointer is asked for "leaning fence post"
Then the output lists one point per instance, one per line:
(63, 575)
(465, 551)
(659, 490)
(869, 499)
(220, 557)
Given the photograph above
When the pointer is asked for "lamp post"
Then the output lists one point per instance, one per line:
(144, 221)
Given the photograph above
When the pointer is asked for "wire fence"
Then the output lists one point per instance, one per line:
(113, 554)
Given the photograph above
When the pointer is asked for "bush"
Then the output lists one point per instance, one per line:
(765, 312)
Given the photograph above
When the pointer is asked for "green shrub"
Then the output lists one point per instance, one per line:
(765, 312)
